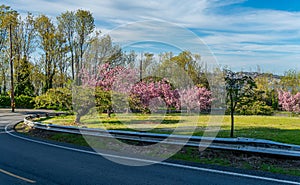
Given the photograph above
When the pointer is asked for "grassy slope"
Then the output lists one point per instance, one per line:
(281, 129)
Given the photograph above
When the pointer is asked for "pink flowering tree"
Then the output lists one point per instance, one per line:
(171, 97)
(154, 93)
(196, 99)
(98, 87)
(108, 77)
(111, 87)
(289, 102)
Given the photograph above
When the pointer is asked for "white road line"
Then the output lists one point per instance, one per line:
(16, 176)
(151, 161)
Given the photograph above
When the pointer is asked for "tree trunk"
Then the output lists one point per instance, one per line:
(232, 116)
(77, 118)
(232, 124)
(72, 64)
(168, 110)
(4, 82)
(77, 70)
(109, 112)
(46, 86)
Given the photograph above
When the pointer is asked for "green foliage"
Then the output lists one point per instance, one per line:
(8, 17)
(24, 85)
(83, 101)
(4, 101)
(46, 33)
(136, 105)
(254, 104)
(238, 86)
(21, 101)
(291, 81)
(24, 101)
(254, 108)
(188, 62)
(107, 101)
(103, 99)
(267, 85)
(272, 99)
(186, 67)
(56, 98)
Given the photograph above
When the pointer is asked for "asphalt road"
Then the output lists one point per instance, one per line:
(26, 162)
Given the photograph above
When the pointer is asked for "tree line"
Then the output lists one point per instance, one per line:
(49, 54)
(46, 53)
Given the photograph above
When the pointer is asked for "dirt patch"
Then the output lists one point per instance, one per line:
(242, 160)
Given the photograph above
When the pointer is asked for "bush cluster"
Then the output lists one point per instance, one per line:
(21, 101)
(255, 108)
(56, 99)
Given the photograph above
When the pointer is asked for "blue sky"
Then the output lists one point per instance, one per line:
(284, 5)
(240, 33)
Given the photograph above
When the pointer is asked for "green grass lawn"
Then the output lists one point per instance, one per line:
(276, 128)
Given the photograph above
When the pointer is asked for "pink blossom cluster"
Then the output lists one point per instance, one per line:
(146, 93)
(196, 98)
(289, 102)
(109, 78)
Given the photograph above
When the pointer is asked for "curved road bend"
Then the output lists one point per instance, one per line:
(25, 162)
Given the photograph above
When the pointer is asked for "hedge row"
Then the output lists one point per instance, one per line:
(20, 101)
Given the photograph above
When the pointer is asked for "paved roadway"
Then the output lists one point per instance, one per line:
(25, 162)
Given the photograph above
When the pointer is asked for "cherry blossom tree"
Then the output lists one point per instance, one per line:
(123, 85)
(289, 102)
(107, 80)
(144, 92)
(108, 77)
(196, 99)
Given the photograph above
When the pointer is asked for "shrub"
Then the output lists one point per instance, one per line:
(56, 98)
(255, 108)
(4, 101)
(24, 101)
(21, 101)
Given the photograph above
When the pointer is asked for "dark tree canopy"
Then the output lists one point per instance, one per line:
(238, 85)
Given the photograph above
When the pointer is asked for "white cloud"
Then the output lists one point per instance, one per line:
(238, 34)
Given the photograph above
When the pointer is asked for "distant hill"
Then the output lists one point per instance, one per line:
(257, 74)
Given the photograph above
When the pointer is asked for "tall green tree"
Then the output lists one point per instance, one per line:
(46, 32)
(84, 26)
(189, 62)
(66, 26)
(238, 86)
(24, 85)
(185, 65)
(76, 28)
(4, 10)
(60, 57)
(102, 50)
(291, 81)
(24, 46)
(8, 21)
(268, 85)
(3, 58)
(146, 64)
